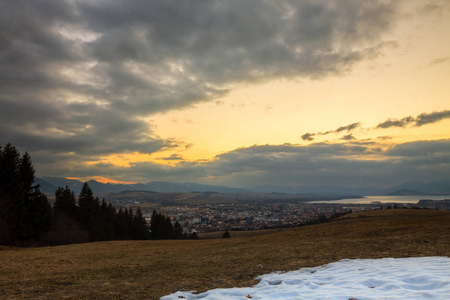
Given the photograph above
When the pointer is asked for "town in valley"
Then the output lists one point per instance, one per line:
(210, 211)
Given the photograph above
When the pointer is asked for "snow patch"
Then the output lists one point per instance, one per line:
(386, 278)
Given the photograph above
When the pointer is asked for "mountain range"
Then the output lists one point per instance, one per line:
(50, 184)
(441, 187)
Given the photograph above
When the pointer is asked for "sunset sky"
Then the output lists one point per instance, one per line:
(237, 93)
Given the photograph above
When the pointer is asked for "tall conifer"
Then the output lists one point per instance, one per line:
(88, 211)
(23, 208)
(65, 202)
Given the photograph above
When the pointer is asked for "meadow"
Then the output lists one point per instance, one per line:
(151, 269)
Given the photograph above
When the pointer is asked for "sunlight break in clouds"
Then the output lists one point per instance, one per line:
(91, 88)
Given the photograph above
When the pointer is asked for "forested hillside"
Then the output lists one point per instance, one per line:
(27, 218)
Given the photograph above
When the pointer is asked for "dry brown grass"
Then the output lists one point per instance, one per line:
(238, 233)
(151, 269)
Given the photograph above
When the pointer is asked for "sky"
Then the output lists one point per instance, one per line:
(238, 93)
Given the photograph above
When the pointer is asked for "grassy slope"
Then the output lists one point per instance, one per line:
(150, 269)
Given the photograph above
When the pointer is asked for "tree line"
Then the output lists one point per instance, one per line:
(27, 218)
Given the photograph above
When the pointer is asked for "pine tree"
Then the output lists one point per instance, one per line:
(106, 222)
(121, 229)
(161, 227)
(9, 179)
(193, 236)
(65, 202)
(37, 209)
(65, 227)
(112, 215)
(40, 215)
(178, 231)
(23, 207)
(10, 193)
(88, 211)
(226, 234)
(140, 228)
(155, 226)
(129, 220)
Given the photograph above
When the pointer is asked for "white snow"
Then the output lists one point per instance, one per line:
(386, 278)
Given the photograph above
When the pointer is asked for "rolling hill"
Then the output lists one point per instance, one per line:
(151, 269)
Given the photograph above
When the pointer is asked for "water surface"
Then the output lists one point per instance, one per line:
(385, 199)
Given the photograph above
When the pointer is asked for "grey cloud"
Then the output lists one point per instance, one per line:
(439, 60)
(348, 137)
(316, 164)
(86, 129)
(434, 6)
(308, 136)
(349, 127)
(396, 123)
(384, 138)
(325, 132)
(173, 157)
(420, 120)
(79, 76)
(433, 117)
(421, 148)
(104, 165)
(328, 164)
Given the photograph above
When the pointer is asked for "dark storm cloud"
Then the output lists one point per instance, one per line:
(79, 78)
(420, 120)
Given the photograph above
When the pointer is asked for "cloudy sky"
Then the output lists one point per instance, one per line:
(239, 93)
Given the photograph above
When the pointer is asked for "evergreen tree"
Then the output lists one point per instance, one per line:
(11, 192)
(161, 228)
(27, 172)
(167, 228)
(178, 231)
(65, 202)
(111, 212)
(89, 211)
(226, 234)
(120, 225)
(36, 208)
(193, 236)
(140, 228)
(40, 215)
(129, 220)
(24, 211)
(9, 179)
(107, 222)
(155, 226)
